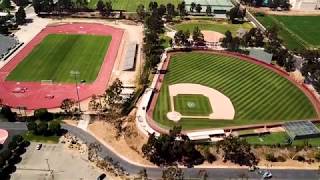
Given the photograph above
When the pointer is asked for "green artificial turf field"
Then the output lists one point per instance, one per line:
(296, 31)
(220, 27)
(192, 105)
(259, 95)
(131, 5)
(58, 54)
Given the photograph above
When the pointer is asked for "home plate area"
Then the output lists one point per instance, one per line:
(197, 101)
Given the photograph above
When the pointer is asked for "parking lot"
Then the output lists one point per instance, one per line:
(54, 161)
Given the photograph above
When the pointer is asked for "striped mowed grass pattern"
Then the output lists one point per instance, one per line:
(259, 95)
(58, 54)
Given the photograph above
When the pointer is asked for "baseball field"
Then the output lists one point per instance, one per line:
(259, 95)
(297, 32)
(59, 54)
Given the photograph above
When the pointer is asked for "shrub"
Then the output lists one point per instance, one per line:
(299, 158)
(317, 156)
(270, 157)
(42, 114)
(209, 156)
(259, 14)
(281, 159)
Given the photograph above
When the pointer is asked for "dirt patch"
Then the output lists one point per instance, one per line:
(129, 147)
(212, 36)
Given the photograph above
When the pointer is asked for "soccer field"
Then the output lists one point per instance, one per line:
(220, 27)
(58, 54)
(131, 5)
(258, 95)
(296, 31)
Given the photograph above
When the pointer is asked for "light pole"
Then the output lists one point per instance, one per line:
(75, 74)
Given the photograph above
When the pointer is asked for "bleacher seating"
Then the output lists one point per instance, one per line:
(6, 44)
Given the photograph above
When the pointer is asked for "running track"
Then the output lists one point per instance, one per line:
(35, 95)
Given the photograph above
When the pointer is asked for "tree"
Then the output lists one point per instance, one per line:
(108, 8)
(236, 14)
(42, 128)
(209, 10)
(21, 2)
(167, 150)
(182, 9)
(198, 8)
(170, 11)
(181, 38)
(101, 7)
(192, 6)
(36, 6)
(55, 127)
(113, 94)
(227, 40)
(197, 36)
(141, 11)
(20, 16)
(67, 105)
(172, 173)
(42, 114)
(162, 10)
(7, 113)
(6, 4)
(237, 151)
(32, 127)
(153, 5)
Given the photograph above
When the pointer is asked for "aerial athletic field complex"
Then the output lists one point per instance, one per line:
(257, 93)
(40, 75)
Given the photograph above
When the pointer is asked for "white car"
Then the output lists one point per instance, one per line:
(38, 147)
(267, 175)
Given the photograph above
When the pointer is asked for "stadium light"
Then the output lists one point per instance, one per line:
(76, 74)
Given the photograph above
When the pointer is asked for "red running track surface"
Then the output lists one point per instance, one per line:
(36, 94)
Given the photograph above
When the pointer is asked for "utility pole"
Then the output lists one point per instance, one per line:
(76, 74)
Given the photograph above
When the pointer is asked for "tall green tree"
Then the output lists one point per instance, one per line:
(197, 36)
(182, 9)
(237, 151)
(6, 4)
(209, 11)
(198, 8)
(192, 6)
(141, 11)
(55, 127)
(32, 127)
(170, 11)
(113, 95)
(108, 8)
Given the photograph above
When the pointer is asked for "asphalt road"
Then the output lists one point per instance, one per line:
(156, 172)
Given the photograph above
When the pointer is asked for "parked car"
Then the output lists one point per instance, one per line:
(267, 175)
(38, 147)
(102, 176)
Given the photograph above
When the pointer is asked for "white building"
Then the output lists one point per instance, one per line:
(305, 5)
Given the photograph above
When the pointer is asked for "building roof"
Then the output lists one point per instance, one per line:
(260, 54)
(129, 59)
(301, 130)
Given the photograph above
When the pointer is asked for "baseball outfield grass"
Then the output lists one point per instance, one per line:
(192, 105)
(58, 54)
(131, 5)
(297, 32)
(259, 95)
(220, 27)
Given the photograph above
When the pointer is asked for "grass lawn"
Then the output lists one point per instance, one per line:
(296, 31)
(258, 95)
(220, 27)
(58, 54)
(166, 39)
(192, 105)
(131, 5)
(42, 139)
(280, 138)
